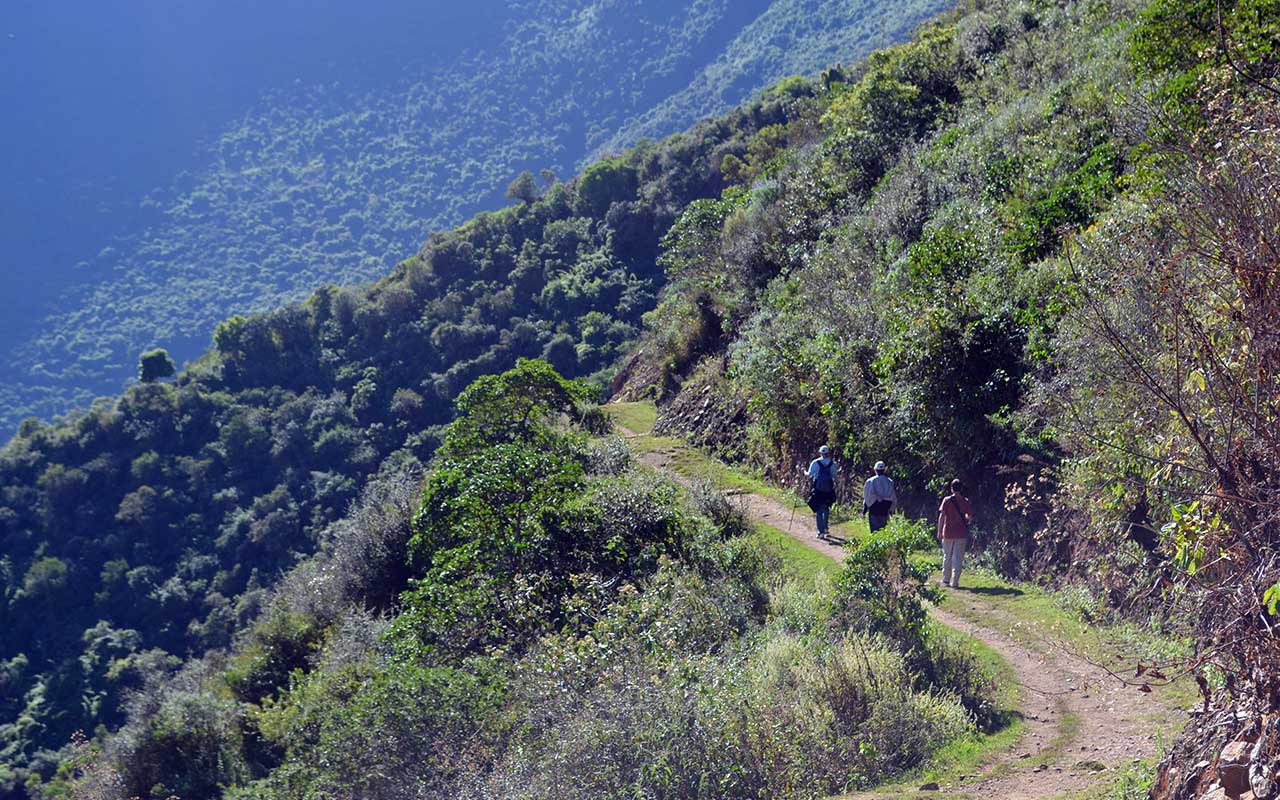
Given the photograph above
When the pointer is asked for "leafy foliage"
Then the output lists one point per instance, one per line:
(165, 514)
(881, 590)
(1180, 43)
(566, 632)
(1033, 249)
(333, 181)
(903, 292)
(154, 365)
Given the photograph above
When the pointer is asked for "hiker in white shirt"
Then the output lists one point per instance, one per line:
(879, 498)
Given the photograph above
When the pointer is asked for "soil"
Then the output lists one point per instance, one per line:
(1080, 722)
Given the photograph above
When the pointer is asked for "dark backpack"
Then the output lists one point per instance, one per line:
(824, 481)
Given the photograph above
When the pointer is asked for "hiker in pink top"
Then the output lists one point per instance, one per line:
(954, 516)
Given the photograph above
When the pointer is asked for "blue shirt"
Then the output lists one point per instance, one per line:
(813, 468)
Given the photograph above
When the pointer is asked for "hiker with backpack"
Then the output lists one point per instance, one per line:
(822, 490)
(878, 498)
(954, 517)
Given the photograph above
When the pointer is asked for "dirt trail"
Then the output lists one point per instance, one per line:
(1079, 722)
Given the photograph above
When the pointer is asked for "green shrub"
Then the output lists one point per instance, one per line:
(277, 646)
(774, 716)
(375, 730)
(881, 590)
(191, 747)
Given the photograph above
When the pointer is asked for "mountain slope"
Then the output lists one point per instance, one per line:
(1029, 248)
(145, 531)
(331, 181)
(1034, 251)
(575, 626)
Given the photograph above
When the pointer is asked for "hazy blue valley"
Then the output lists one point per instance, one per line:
(170, 167)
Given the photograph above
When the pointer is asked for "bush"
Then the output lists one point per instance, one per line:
(181, 739)
(375, 730)
(731, 518)
(276, 646)
(774, 716)
(882, 591)
(154, 365)
(952, 668)
(609, 456)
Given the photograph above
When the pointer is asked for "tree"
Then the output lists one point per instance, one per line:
(523, 189)
(515, 406)
(606, 182)
(154, 365)
(561, 353)
(1166, 390)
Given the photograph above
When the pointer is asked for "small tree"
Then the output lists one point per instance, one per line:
(517, 406)
(524, 189)
(154, 365)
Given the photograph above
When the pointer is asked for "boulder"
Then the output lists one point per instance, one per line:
(1233, 768)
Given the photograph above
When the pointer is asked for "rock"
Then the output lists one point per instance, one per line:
(1235, 753)
(931, 786)
(1263, 786)
(1235, 778)
(1233, 768)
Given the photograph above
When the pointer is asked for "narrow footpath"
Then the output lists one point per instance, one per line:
(1080, 723)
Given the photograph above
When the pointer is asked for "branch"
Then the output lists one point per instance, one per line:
(1226, 53)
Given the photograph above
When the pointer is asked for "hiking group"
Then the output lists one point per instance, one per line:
(879, 499)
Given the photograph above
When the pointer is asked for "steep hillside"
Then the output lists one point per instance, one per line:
(1034, 249)
(331, 177)
(570, 625)
(144, 530)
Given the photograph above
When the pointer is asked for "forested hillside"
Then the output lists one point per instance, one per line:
(331, 178)
(145, 530)
(553, 620)
(1034, 247)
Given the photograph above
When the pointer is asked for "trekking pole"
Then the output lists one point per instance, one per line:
(795, 503)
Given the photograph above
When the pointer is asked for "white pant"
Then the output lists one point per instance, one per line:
(952, 560)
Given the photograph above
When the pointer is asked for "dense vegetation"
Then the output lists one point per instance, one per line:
(552, 621)
(1034, 248)
(333, 182)
(144, 530)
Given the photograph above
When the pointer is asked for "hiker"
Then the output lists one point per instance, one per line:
(954, 516)
(822, 490)
(878, 498)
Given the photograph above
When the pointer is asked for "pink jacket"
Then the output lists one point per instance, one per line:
(954, 516)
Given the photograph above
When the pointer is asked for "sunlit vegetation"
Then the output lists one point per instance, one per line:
(1034, 248)
(1024, 248)
(148, 528)
(567, 624)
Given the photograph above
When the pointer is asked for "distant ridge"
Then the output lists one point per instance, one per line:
(332, 184)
